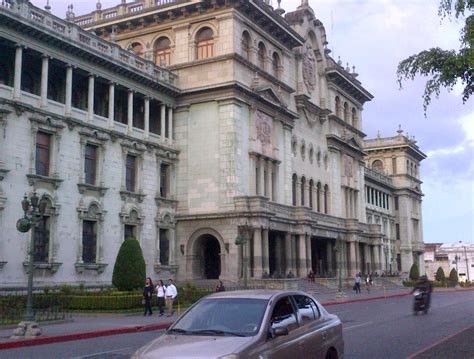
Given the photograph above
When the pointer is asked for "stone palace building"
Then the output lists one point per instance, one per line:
(190, 124)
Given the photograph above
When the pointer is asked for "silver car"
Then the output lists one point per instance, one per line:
(251, 324)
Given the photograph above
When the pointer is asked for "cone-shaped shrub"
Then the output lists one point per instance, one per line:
(129, 270)
(440, 277)
(453, 276)
(414, 272)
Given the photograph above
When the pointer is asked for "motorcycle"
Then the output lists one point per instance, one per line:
(420, 303)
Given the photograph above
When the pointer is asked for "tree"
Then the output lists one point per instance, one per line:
(414, 272)
(130, 269)
(440, 277)
(445, 67)
(453, 276)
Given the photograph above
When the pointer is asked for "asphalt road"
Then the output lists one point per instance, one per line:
(372, 329)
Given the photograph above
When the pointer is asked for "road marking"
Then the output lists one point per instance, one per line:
(414, 355)
(96, 354)
(357, 325)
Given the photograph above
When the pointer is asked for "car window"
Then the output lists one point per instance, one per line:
(283, 315)
(231, 315)
(307, 308)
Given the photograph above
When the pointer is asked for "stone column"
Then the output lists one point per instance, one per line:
(265, 251)
(170, 125)
(275, 183)
(130, 112)
(252, 179)
(68, 99)
(158, 233)
(368, 258)
(288, 254)
(17, 75)
(257, 253)
(261, 177)
(376, 266)
(278, 254)
(298, 192)
(44, 80)
(172, 246)
(352, 259)
(90, 98)
(147, 117)
(329, 257)
(111, 119)
(163, 122)
(269, 168)
(306, 194)
(309, 259)
(303, 267)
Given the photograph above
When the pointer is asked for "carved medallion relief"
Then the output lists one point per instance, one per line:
(309, 69)
(264, 132)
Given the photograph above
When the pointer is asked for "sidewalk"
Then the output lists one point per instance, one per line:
(89, 326)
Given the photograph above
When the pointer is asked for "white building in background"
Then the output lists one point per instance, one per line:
(460, 256)
(186, 124)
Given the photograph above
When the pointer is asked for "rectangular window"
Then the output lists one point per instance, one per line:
(396, 202)
(43, 150)
(129, 231)
(164, 247)
(394, 165)
(397, 231)
(164, 180)
(41, 241)
(90, 164)
(130, 173)
(89, 241)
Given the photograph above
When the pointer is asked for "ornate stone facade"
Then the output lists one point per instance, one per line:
(246, 128)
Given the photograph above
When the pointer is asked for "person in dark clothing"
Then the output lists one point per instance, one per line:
(147, 295)
(220, 287)
(424, 285)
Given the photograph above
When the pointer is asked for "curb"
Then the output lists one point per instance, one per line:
(327, 304)
(78, 336)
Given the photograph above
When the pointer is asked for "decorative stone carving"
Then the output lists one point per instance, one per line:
(348, 166)
(264, 129)
(309, 69)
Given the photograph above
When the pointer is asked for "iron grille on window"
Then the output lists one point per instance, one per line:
(43, 145)
(90, 164)
(89, 242)
(41, 241)
(129, 231)
(130, 173)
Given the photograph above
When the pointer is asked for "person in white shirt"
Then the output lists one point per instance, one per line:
(160, 290)
(170, 294)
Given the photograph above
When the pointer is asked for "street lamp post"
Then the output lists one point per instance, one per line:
(340, 291)
(456, 259)
(33, 212)
(467, 265)
(243, 239)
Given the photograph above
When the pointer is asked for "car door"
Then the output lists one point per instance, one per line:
(311, 331)
(283, 315)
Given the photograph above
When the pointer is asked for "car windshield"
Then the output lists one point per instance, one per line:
(226, 316)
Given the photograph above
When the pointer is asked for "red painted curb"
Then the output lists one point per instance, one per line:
(78, 336)
(327, 304)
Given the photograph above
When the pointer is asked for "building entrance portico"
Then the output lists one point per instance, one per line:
(323, 261)
(206, 257)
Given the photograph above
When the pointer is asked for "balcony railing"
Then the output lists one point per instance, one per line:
(74, 34)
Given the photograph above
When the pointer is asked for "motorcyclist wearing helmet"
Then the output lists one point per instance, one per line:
(424, 285)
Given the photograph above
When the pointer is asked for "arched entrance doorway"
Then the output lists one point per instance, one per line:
(208, 249)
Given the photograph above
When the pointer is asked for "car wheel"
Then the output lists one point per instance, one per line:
(331, 354)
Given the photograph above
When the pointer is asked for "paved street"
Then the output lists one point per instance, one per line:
(372, 329)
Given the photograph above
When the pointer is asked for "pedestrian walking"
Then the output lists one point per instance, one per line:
(367, 283)
(357, 280)
(170, 294)
(160, 293)
(147, 295)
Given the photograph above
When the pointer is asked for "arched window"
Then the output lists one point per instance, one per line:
(318, 197)
(377, 165)
(311, 154)
(261, 55)
(346, 112)
(205, 43)
(294, 181)
(246, 45)
(136, 48)
(311, 189)
(326, 199)
(354, 118)
(303, 185)
(162, 50)
(276, 65)
(338, 107)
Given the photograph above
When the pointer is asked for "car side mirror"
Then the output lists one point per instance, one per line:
(281, 331)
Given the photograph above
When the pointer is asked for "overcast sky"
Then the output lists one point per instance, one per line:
(374, 35)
